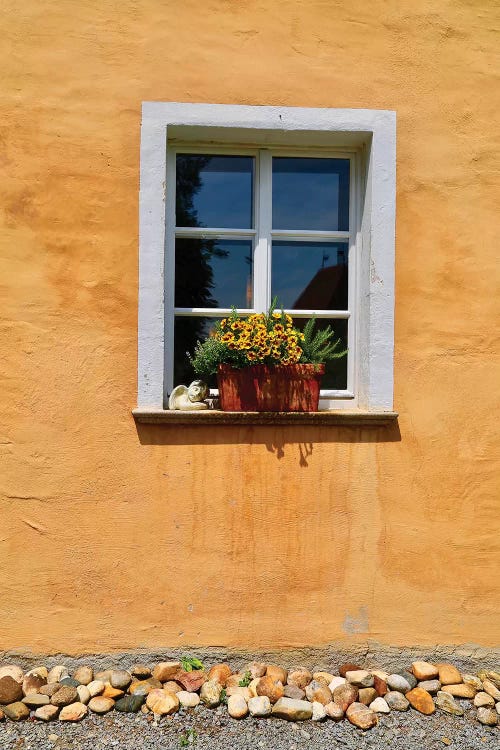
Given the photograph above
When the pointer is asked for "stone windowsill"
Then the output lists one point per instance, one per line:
(341, 417)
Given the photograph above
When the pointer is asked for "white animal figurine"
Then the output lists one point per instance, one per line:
(189, 399)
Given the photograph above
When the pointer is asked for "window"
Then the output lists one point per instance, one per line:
(243, 204)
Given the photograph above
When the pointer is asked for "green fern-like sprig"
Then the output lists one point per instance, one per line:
(320, 346)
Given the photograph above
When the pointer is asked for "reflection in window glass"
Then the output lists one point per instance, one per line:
(311, 194)
(214, 191)
(335, 377)
(310, 275)
(213, 273)
(188, 330)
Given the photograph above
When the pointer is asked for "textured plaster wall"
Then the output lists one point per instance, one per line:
(112, 538)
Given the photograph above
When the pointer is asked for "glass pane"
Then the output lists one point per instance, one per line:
(311, 194)
(214, 191)
(335, 377)
(213, 273)
(310, 275)
(187, 332)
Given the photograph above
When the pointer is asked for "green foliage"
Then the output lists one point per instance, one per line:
(189, 663)
(188, 738)
(246, 680)
(271, 338)
(320, 346)
(209, 354)
(223, 696)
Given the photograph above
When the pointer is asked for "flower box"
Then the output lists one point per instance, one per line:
(278, 388)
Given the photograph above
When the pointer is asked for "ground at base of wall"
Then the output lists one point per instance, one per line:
(187, 703)
(214, 730)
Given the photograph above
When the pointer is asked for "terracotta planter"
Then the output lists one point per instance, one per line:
(264, 388)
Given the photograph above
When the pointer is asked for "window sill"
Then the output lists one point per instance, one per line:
(342, 417)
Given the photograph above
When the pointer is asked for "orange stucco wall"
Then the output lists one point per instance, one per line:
(113, 537)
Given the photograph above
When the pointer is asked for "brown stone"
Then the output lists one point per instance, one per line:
(276, 673)
(10, 690)
(172, 686)
(483, 699)
(294, 692)
(141, 671)
(334, 711)
(293, 710)
(253, 687)
(104, 675)
(272, 688)
(83, 694)
(66, 695)
(16, 711)
(32, 683)
(166, 670)
(220, 673)
(318, 691)
(73, 712)
(111, 692)
(300, 677)
(210, 693)
(448, 704)
(360, 677)
(345, 668)
(470, 679)
(380, 686)
(237, 707)
(101, 705)
(33, 700)
(424, 670)
(39, 672)
(46, 713)
(381, 673)
(367, 695)
(234, 679)
(2, 715)
(448, 674)
(487, 716)
(50, 688)
(96, 687)
(144, 687)
(120, 679)
(191, 681)
(188, 700)
(460, 691)
(57, 673)
(325, 677)
(421, 700)
(244, 692)
(344, 695)
(84, 675)
(490, 688)
(256, 669)
(12, 670)
(432, 686)
(361, 716)
(162, 702)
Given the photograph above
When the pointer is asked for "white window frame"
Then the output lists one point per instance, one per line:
(366, 137)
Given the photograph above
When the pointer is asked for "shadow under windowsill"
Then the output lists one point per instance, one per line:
(274, 430)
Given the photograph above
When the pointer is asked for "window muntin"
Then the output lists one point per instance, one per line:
(274, 256)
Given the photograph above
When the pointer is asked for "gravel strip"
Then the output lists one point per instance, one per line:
(215, 730)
